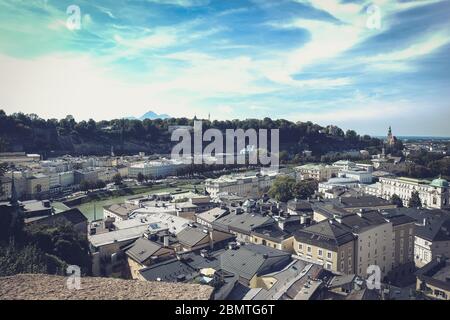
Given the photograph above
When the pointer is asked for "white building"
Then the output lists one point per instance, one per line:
(433, 194)
(317, 172)
(361, 175)
(338, 182)
(157, 168)
(241, 185)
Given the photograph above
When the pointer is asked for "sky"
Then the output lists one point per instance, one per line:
(359, 64)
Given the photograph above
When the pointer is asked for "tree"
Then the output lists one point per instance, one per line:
(85, 185)
(395, 199)
(117, 179)
(38, 188)
(282, 188)
(305, 189)
(100, 184)
(140, 177)
(414, 201)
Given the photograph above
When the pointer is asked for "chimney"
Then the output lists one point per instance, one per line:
(211, 240)
(166, 241)
(281, 223)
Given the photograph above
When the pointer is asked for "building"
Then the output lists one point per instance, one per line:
(434, 194)
(144, 253)
(329, 244)
(242, 224)
(343, 206)
(432, 233)
(155, 169)
(433, 280)
(343, 182)
(5, 188)
(403, 267)
(88, 175)
(249, 263)
(72, 217)
(361, 175)
(318, 172)
(273, 236)
(37, 185)
(208, 217)
(241, 185)
(119, 212)
(374, 244)
(195, 238)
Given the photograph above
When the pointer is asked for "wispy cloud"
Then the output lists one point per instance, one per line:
(302, 59)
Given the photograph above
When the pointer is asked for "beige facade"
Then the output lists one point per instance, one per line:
(337, 259)
(317, 172)
(38, 184)
(284, 245)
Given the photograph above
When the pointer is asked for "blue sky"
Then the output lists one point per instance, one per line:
(314, 60)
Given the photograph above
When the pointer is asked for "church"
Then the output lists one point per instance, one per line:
(391, 139)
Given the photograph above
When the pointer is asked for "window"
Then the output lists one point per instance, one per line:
(319, 252)
(300, 246)
(329, 255)
(308, 249)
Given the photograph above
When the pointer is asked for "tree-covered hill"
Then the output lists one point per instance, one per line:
(30, 133)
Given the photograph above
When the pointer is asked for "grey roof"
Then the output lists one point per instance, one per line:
(326, 234)
(299, 205)
(72, 216)
(191, 236)
(361, 201)
(253, 259)
(122, 210)
(436, 272)
(212, 215)
(364, 221)
(168, 271)
(329, 210)
(143, 249)
(272, 232)
(431, 225)
(245, 222)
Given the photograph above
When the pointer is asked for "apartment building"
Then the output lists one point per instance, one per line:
(327, 243)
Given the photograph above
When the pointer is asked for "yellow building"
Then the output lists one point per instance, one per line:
(273, 237)
(329, 244)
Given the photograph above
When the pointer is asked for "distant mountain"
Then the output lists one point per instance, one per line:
(150, 115)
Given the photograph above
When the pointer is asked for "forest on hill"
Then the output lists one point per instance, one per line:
(48, 137)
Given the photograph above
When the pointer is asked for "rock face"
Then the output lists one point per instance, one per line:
(50, 287)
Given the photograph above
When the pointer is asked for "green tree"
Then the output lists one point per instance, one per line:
(305, 189)
(100, 184)
(414, 201)
(140, 177)
(395, 199)
(117, 179)
(85, 185)
(282, 188)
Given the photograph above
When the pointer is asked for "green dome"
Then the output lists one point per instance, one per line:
(440, 183)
